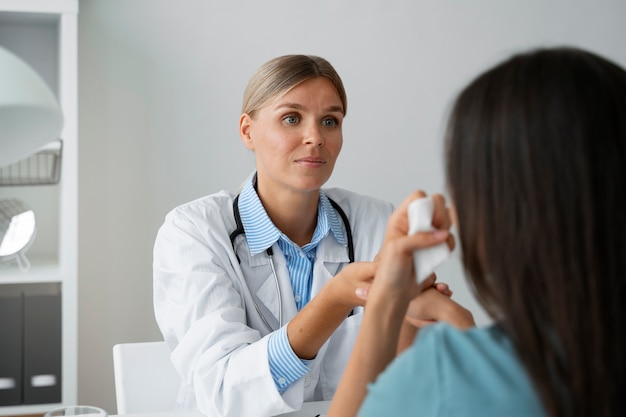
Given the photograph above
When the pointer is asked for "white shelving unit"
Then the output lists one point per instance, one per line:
(44, 34)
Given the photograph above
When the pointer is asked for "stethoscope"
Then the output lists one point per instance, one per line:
(270, 253)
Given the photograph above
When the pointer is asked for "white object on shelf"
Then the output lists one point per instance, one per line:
(30, 115)
(41, 168)
(17, 231)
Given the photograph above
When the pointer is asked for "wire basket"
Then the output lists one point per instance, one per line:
(41, 168)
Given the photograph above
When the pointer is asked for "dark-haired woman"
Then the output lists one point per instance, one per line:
(536, 167)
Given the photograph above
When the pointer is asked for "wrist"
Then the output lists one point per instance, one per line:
(387, 307)
(384, 318)
(333, 295)
(458, 316)
(391, 298)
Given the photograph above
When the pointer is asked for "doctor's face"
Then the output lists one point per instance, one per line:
(297, 137)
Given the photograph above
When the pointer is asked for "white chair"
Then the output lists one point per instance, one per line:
(145, 379)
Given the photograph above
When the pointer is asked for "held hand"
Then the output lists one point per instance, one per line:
(430, 281)
(432, 306)
(428, 307)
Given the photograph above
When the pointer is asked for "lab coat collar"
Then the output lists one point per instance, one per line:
(261, 233)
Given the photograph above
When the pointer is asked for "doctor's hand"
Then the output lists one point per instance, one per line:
(343, 289)
(312, 326)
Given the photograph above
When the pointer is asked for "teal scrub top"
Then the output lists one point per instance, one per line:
(448, 372)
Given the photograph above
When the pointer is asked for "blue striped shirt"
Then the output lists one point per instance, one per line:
(261, 233)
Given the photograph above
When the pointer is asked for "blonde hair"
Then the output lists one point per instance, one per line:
(279, 75)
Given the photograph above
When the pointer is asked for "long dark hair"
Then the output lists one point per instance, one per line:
(536, 166)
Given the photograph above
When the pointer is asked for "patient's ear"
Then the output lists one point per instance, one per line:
(245, 127)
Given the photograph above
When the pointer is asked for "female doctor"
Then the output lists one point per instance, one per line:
(255, 293)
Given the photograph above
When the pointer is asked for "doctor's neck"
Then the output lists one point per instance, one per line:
(293, 212)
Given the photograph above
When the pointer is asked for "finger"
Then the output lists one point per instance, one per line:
(361, 293)
(399, 220)
(428, 282)
(442, 217)
(399, 252)
(441, 214)
(419, 323)
(363, 271)
(443, 288)
(414, 196)
(451, 242)
(422, 240)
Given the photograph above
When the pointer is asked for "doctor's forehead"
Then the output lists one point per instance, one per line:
(318, 92)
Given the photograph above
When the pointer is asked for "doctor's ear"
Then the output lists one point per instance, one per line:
(245, 127)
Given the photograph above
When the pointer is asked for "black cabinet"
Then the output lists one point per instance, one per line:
(30, 352)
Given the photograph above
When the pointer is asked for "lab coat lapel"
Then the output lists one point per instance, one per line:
(266, 291)
(330, 255)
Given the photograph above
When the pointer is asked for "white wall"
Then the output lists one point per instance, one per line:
(160, 89)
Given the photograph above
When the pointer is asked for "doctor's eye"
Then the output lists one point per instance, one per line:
(291, 119)
(330, 122)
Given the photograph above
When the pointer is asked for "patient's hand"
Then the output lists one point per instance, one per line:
(433, 305)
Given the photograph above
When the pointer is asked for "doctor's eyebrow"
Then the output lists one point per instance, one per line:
(297, 106)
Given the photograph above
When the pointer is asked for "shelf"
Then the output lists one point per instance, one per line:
(44, 34)
(43, 269)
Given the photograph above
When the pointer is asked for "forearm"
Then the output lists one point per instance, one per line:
(375, 348)
(314, 324)
(408, 332)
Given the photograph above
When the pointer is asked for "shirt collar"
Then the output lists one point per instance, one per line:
(261, 233)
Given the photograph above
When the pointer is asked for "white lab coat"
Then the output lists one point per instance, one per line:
(203, 301)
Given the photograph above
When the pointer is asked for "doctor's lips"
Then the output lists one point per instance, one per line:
(311, 160)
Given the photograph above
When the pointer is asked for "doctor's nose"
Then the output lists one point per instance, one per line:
(313, 136)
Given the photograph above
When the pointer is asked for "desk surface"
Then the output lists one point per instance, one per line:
(310, 409)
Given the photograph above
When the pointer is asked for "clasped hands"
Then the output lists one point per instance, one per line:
(391, 276)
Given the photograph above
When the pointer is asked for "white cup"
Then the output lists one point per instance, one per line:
(77, 411)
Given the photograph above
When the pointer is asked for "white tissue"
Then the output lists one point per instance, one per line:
(426, 260)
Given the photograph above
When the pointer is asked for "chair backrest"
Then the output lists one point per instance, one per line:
(145, 379)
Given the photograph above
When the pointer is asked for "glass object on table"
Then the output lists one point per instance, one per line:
(77, 411)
